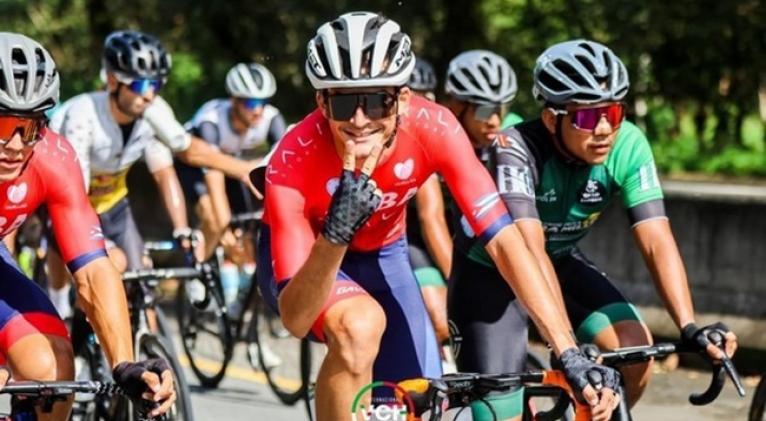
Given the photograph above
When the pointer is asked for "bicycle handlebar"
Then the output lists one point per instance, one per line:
(632, 355)
(59, 388)
(160, 274)
(243, 218)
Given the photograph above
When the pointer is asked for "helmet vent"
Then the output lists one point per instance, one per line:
(571, 72)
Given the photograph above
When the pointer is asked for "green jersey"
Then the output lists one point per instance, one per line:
(511, 119)
(535, 182)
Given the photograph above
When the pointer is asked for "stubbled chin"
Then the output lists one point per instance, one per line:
(6, 175)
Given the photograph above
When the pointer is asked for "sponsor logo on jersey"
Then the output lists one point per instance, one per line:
(548, 197)
(17, 193)
(647, 176)
(593, 192)
(403, 170)
(515, 180)
(570, 226)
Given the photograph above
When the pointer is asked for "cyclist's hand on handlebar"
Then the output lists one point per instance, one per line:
(596, 384)
(149, 380)
(355, 199)
(5, 375)
(699, 338)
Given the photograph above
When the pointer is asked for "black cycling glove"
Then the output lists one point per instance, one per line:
(698, 338)
(353, 202)
(580, 371)
(127, 375)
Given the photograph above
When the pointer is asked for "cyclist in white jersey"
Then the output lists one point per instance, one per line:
(110, 130)
(244, 125)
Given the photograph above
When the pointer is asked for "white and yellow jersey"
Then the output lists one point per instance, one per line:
(105, 157)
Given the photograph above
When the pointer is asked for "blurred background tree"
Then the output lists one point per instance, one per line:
(696, 66)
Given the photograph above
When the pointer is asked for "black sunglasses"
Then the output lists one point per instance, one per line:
(375, 105)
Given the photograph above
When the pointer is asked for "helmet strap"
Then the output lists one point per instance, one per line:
(390, 140)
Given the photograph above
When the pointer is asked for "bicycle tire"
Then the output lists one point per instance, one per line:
(152, 346)
(758, 406)
(286, 390)
(189, 324)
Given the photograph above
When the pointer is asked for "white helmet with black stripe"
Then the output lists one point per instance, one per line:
(358, 50)
(29, 81)
(250, 81)
(481, 77)
(579, 71)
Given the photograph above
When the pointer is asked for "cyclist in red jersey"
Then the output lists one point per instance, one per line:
(334, 227)
(39, 167)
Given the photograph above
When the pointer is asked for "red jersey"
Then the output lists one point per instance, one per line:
(304, 171)
(52, 177)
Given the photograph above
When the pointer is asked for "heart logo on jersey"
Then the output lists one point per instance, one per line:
(332, 185)
(17, 193)
(403, 170)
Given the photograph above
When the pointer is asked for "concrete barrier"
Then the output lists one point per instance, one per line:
(720, 230)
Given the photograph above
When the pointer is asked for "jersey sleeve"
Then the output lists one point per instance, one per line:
(635, 171)
(76, 128)
(276, 129)
(468, 180)
(75, 223)
(168, 130)
(157, 156)
(515, 175)
(291, 234)
(636, 174)
(208, 132)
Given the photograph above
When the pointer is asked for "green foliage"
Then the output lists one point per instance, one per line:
(696, 64)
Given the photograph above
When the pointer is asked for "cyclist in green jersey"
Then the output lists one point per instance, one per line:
(556, 177)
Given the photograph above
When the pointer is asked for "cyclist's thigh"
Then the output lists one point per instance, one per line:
(489, 319)
(270, 289)
(119, 226)
(409, 347)
(424, 268)
(24, 307)
(593, 302)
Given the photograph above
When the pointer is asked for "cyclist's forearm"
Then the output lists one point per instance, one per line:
(201, 154)
(102, 297)
(667, 269)
(438, 242)
(521, 271)
(172, 196)
(305, 294)
(534, 237)
(430, 206)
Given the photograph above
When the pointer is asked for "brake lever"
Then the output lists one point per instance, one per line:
(717, 339)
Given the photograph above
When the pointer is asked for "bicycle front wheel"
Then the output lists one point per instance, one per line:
(284, 359)
(151, 346)
(206, 337)
(758, 407)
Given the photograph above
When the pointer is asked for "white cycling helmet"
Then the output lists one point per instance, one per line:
(30, 81)
(580, 71)
(481, 76)
(250, 81)
(358, 50)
